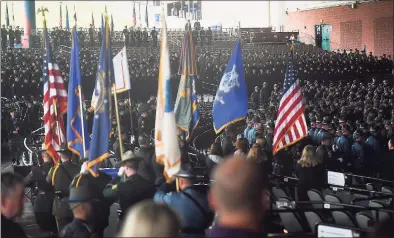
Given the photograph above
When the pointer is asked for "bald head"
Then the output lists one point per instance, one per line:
(239, 186)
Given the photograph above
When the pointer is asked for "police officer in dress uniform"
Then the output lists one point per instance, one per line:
(143, 122)
(138, 36)
(116, 145)
(189, 202)
(316, 132)
(312, 131)
(14, 135)
(80, 202)
(11, 37)
(148, 168)
(154, 34)
(209, 35)
(202, 36)
(98, 220)
(344, 146)
(61, 177)
(324, 151)
(323, 130)
(129, 187)
(45, 193)
(125, 33)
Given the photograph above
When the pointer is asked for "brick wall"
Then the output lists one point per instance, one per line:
(371, 23)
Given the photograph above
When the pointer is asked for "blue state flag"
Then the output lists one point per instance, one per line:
(102, 105)
(231, 101)
(77, 133)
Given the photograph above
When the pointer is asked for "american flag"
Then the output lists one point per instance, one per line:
(290, 125)
(55, 101)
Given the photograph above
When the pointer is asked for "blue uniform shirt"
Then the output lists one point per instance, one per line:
(191, 215)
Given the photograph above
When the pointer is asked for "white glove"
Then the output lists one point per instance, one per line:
(340, 159)
(121, 171)
(334, 148)
(84, 167)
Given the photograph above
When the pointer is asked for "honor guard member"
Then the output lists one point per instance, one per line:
(189, 202)
(133, 189)
(143, 121)
(80, 202)
(324, 153)
(61, 177)
(148, 168)
(45, 193)
(116, 146)
(98, 220)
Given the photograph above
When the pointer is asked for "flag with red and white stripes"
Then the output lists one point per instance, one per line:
(55, 101)
(290, 125)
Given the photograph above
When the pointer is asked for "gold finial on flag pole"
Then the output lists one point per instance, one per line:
(42, 10)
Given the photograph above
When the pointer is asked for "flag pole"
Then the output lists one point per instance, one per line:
(57, 122)
(81, 111)
(42, 10)
(118, 121)
(131, 113)
(13, 19)
(82, 115)
(131, 108)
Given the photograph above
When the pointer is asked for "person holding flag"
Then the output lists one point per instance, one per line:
(231, 100)
(166, 141)
(290, 125)
(55, 106)
(101, 102)
(55, 101)
(186, 108)
(77, 133)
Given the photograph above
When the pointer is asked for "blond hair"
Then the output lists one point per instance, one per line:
(148, 219)
(257, 154)
(308, 157)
